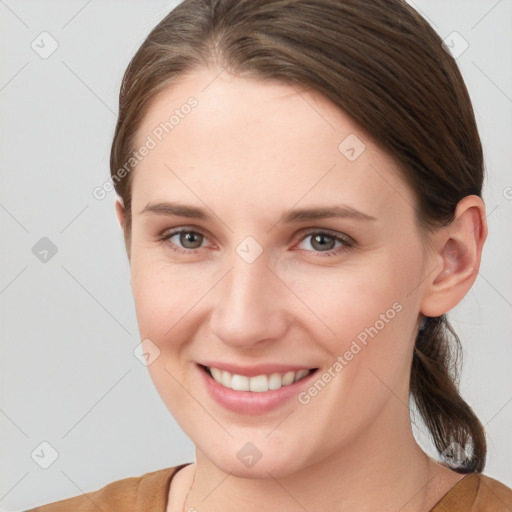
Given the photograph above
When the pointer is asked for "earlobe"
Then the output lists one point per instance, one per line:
(120, 212)
(460, 249)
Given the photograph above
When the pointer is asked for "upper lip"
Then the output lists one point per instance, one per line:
(252, 371)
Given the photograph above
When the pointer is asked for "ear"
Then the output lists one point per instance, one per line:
(456, 257)
(120, 212)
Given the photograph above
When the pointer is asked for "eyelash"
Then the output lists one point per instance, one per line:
(347, 242)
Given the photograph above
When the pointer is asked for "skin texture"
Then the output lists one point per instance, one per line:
(248, 153)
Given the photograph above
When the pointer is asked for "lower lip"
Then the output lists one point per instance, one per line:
(249, 402)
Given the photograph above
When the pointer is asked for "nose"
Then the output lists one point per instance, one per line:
(250, 309)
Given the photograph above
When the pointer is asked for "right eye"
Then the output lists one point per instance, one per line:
(186, 241)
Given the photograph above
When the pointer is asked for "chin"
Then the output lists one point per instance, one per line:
(272, 462)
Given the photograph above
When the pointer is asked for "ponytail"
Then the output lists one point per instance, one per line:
(456, 431)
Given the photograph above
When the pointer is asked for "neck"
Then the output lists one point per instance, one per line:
(381, 465)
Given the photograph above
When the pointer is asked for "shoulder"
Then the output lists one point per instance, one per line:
(476, 493)
(146, 492)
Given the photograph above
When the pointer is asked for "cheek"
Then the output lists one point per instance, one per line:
(363, 314)
(348, 299)
(163, 292)
(369, 311)
(164, 301)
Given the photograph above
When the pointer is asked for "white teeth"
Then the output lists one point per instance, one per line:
(274, 381)
(259, 383)
(226, 379)
(288, 378)
(217, 374)
(300, 374)
(239, 383)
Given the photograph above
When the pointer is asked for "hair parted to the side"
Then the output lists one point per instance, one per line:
(382, 64)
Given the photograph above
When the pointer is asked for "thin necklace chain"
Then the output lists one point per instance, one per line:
(189, 489)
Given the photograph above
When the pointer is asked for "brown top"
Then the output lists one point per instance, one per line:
(149, 493)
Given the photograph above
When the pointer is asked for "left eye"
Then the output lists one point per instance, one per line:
(324, 242)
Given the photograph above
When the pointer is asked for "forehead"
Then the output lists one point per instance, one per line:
(257, 143)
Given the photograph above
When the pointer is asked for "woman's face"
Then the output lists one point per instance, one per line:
(264, 280)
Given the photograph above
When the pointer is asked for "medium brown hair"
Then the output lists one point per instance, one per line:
(382, 64)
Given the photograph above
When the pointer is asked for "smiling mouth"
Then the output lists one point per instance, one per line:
(257, 383)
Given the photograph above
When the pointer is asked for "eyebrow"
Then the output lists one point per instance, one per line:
(341, 211)
(297, 215)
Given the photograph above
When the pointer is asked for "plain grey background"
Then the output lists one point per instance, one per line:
(68, 374)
